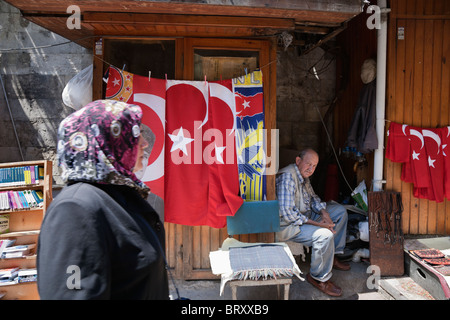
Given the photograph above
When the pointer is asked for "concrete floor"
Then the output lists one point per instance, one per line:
(353, 283)
(357, 284)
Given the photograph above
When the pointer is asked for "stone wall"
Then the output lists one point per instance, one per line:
(33, 80)
(300, 97)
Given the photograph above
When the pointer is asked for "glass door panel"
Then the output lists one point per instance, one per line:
(223, 64)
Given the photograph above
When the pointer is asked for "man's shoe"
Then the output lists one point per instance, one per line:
(339, 265)
(326, 287)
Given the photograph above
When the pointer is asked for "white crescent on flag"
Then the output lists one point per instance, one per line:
(155, 169)
(221, 92)
(417, 134)
(202, 86)
(434, 136)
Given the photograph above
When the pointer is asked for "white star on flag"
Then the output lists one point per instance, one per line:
(180, 141)
(219, 151)
(116, 82)
(415, 155)
(246, 104)
(431, 162)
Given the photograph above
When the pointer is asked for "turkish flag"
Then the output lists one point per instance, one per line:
(435, 159)
(193, 163)
(445, 136)
(427, 165)
(397, 146)
(224, 196)
(185, 176)
(150, 95)
(201, 176)
(250, 104)
(419, 159)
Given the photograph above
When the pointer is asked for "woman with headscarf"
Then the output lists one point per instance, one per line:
(100, 239)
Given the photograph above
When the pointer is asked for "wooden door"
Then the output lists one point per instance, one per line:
(188, 247)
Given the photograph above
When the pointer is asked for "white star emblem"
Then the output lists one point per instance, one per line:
(116, 82)
(443, 151)
(415, 155)
(246, 104)
(431, 162)
(179, 141)
(219, 151)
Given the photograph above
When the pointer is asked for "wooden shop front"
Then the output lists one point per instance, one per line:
(188, 40)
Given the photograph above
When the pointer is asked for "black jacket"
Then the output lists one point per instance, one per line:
(101, 242)
(362, 134)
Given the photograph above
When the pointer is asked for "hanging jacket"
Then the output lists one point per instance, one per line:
(362, 134)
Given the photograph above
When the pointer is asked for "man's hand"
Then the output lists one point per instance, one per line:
(325, 222)
(322, 224)
(326, 217)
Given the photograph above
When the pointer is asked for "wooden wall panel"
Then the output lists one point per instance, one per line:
(418, 94)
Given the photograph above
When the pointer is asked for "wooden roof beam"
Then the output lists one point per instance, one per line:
(185, 20)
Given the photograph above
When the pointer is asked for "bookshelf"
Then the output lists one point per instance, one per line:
(19, 185)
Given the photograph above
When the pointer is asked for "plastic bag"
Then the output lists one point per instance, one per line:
(360, 195)
(363, 227)
(78, 91)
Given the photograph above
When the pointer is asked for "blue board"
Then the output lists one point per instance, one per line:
(255, 217)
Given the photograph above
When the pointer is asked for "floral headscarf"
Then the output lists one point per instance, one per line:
(99, 143)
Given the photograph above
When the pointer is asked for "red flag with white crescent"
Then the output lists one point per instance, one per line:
(435, 161)
(397, 146)
(201, 176)
(186, 177)
(445, 135)
(193, 162)
(224, 196)
(150, 95)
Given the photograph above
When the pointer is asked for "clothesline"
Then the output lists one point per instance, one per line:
(436, 127)
(123, 67)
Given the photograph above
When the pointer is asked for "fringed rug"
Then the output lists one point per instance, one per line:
(260, 262)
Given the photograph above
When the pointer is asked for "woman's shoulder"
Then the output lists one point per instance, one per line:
(80, 191)
(80, 194)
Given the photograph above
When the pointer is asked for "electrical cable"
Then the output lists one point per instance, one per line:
(45, 46)
(11, 116)
(332, 147)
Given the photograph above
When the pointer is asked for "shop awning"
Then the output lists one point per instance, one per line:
(199, 18)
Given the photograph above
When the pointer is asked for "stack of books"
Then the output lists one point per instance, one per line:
(27, 275)
(8, 274)
(19, 251)
(21, 200)
(15, 275)
(19, 176)
(5, 243)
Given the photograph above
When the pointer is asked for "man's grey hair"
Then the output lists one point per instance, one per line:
(302, 153)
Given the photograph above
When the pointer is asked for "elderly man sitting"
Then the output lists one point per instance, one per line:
(304, 218)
